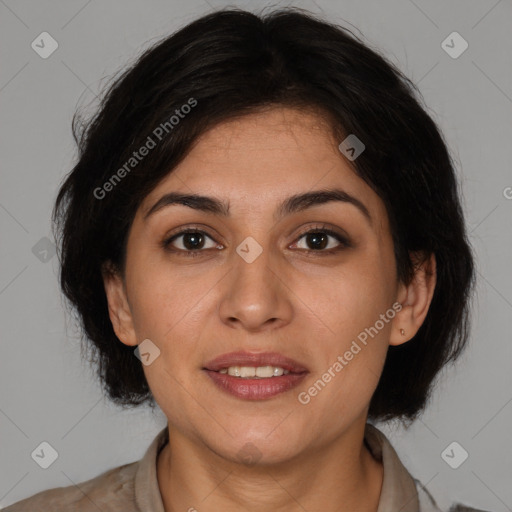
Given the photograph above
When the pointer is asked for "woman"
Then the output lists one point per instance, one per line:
(263, 236)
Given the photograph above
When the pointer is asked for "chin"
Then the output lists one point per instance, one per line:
(252, 447)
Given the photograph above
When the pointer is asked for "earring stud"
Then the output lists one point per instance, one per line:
(402, 332)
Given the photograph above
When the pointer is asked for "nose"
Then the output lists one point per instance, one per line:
(255, 295)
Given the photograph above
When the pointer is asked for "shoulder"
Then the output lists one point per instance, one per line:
(400, 484)
(428, 504)
(111, 491)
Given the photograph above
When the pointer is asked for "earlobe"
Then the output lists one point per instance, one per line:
(415, 299)
(118, 307)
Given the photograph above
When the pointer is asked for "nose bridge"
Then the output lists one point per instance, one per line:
(255, 293)
(251, 265)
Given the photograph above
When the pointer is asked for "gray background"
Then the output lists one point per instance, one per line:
(49, 394)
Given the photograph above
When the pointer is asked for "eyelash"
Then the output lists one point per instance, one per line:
(317, 229)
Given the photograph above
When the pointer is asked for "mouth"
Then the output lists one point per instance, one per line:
(256, 360)
(255, 376)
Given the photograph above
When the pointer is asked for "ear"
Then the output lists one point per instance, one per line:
(118, 307)
(415, 299)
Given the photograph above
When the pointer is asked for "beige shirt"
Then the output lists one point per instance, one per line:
(134, 487)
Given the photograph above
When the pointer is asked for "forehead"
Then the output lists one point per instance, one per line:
(266, 147)
(256, 161)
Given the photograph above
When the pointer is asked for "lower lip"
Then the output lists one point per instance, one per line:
(255, 389)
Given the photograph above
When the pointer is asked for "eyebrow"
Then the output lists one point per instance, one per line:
(292, 204)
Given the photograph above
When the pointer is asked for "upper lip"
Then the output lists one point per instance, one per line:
(243, 358)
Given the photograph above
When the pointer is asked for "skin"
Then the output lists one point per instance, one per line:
(307, 307)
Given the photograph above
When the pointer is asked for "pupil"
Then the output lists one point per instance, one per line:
(195, 238)
(315, 237)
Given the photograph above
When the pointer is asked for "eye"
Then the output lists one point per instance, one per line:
(192, 241)
(317, 239)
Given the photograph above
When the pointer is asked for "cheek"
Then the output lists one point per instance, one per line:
(373, 281)
(348, 304)
(353, 351)
(168, 303)
(150, 304)
(349, 297)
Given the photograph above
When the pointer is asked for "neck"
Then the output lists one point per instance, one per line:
(342, 475)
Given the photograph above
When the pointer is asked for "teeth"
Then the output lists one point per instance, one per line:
(260, 372)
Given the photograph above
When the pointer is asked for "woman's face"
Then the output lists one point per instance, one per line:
(251, 286)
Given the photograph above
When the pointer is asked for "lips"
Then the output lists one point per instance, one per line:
(243, 358)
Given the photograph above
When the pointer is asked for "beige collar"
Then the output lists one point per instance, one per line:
(398, 488)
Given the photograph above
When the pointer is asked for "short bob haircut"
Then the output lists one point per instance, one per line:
(228, 64)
